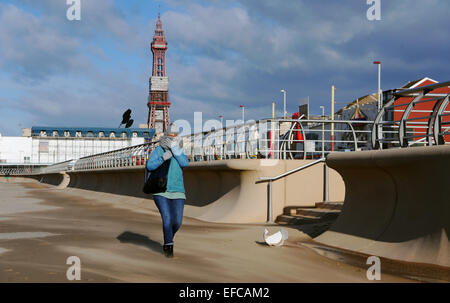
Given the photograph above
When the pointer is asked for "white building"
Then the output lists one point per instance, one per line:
(15, 150)
(49, 145)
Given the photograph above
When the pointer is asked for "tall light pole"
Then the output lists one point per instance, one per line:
(323, 131)
(379, 83)
(243, 114)
(284, 107)
(332, 117)
(221, 120)
(380, 127)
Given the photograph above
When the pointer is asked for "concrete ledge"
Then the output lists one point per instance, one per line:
(216, 191)
(397, 204)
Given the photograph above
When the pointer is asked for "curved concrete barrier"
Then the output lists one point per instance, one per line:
(221, 191)
(397, 204)
(225, 191)
(59, 179)
(218, 191)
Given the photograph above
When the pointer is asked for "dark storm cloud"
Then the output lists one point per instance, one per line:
(305, 46)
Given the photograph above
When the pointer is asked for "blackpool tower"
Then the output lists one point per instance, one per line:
(158, 99)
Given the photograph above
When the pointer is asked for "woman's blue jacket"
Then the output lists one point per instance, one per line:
(177, 163)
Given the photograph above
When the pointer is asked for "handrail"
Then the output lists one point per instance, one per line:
(250, 123)
(399, 134)
(430, 87)
(267, 179)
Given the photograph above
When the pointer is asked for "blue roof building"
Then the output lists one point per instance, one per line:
(92, 132)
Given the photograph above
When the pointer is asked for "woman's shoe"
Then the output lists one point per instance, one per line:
(168, 251)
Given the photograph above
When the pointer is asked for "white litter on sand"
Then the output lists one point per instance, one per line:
(276, 239)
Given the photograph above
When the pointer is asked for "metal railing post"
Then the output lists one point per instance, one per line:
(325, 183)
(269, 181)
(269, 202)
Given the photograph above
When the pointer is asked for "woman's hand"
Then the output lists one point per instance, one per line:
(165, 142)
(174, 142)
(167, 155)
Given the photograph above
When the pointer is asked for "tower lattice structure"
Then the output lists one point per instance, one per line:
(158, 99)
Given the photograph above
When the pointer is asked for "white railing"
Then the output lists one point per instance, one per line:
(134, 156)
(279, 139)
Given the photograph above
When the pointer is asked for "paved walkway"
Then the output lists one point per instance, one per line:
(41, 226)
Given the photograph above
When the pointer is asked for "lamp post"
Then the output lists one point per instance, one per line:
(221, 120)
(284, 102)
(332, 117)
(379, 83)
(380, 127)
(243, 113)
(323, 131)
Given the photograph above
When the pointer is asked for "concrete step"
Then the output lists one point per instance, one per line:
(299, 215)
(330, 205)
(309, 211)
(292, 210)
(318, 212)
(296, 220)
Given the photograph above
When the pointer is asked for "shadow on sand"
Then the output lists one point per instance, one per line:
(138, 239)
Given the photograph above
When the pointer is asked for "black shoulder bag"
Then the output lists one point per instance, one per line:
(156, 180)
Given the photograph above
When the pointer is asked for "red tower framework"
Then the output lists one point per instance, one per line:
(158, 99)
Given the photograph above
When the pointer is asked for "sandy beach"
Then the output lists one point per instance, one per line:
(41, 226)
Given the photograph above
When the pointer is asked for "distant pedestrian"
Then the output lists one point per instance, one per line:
(171, 202)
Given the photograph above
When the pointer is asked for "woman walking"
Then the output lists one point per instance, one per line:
(171, 202)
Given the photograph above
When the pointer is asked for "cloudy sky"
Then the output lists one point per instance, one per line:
(221, 54)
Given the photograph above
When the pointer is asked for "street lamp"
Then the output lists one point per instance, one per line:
(379, 83)
(380, 127)
(332, 117)
(221, 120)
(323, 131)
(284, 107)
(243, 113)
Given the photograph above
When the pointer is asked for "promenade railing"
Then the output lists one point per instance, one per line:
(286, 139)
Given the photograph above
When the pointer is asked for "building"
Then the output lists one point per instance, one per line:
(48, 145)
(416, 126)
(158, 99)
(366, 107)
(15, 150)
